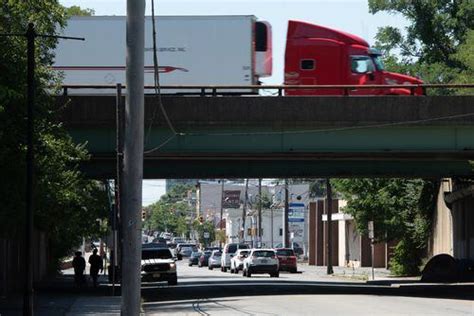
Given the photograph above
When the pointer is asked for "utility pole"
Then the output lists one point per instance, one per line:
(31, 36)
(329, 221)
(120, 114)
(286, 241)
(133, 158)
(244, 210)
(259, 242)
(222, 212)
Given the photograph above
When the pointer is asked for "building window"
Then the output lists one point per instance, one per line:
(281, 231)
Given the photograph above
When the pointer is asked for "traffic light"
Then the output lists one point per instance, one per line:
(143, 215)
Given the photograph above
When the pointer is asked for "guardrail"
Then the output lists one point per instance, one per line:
(214, 89)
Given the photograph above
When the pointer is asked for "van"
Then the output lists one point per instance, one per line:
(228, 253)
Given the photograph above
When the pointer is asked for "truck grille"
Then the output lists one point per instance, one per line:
(156, 267)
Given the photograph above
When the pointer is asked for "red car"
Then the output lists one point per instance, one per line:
(287, 259)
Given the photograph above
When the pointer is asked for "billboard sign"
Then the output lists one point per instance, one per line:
(296, 212)
(231, 199)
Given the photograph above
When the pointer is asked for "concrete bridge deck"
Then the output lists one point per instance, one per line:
(254, 136)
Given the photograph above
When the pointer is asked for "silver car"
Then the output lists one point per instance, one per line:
(214, 259)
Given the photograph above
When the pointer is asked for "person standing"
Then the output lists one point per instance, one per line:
(96, 264)
(79, 265)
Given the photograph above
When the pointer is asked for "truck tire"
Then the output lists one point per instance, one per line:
(173, 280)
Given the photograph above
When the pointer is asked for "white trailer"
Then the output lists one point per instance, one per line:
(192, 50)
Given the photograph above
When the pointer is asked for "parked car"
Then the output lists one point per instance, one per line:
(186, 249)
(157, 264)
(228, 253)
(237, 261)
(194, 258)
(261, 261)
(214, 260)
(178, 240)
(286, 259)
(295, 246)
(204, 258)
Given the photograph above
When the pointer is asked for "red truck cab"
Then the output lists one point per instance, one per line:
(317, 55)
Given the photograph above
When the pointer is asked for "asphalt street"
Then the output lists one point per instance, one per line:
(204, 292)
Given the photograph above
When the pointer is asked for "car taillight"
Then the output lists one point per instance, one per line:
(292, 258)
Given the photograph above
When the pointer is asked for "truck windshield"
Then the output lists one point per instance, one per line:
(362, 64)
(378, 62)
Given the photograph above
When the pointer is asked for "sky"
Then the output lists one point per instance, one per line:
(351, 16)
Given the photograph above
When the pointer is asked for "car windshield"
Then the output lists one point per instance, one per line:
(217, 254)
(285, 252)
(156, 254)
(207, 253)
(196, 254)
(233, 248)
(263, 253)
(244, 252)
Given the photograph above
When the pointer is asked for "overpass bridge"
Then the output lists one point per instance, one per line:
(282, 136)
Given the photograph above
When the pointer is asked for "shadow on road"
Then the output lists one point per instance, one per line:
(267, 286)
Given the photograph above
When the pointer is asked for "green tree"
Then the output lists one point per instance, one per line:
(172, 213)
(76, 10)
(205, 227)
(66, 204)
(430, 45)
(401, 210)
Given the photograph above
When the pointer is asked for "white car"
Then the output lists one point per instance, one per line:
(261, 261)
(237, 261)
(229, 252)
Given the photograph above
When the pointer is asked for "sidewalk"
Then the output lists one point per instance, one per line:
(353, 274)
(59, 296)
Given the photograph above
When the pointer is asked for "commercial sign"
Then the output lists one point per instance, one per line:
(296, 212)
(231, 199)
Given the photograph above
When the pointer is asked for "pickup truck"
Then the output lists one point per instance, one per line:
(158, 264)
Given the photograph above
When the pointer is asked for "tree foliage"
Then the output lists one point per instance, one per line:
(432, 44)
(76, 10)
(66, 204)
(172, 213)
(401, 210)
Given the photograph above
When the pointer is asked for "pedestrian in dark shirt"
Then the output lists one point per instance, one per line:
(79, 265)
(96, 264)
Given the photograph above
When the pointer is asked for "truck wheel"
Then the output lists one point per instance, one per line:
(248, 274)
(210, 267)
(173, 281)
(224, 269)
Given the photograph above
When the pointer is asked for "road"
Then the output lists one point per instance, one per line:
(204, 292)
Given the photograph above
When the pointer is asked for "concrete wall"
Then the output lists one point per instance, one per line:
(441, 240)
(12, 263)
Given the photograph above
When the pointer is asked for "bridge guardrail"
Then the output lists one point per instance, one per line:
(213, 90)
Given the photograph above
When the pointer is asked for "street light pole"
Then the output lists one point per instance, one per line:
(329, 230)
(222, 212)
(259, 242)
(28, 295)
(286, 236)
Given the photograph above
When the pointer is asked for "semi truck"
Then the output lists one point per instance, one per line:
(223, 50)
(318, 55)
(192, 50)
